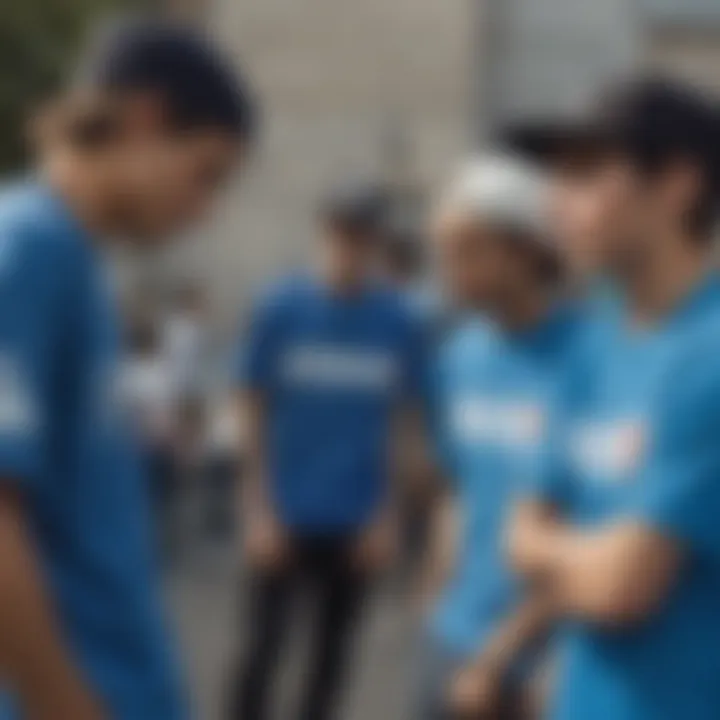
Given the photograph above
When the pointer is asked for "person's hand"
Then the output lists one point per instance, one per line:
(476, 691)
(530, 538)
(266, 545)
(376, 548)
(73, 699)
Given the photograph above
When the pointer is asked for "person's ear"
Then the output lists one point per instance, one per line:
(682, 187)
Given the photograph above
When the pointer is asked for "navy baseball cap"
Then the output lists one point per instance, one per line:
(357, 205)
(199, 86)
(651, 121)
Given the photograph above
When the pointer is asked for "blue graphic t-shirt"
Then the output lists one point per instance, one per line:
(64, 446)
(636, 437)
(493, 392)
(332, 370)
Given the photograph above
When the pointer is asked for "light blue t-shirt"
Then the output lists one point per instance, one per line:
(493, 393)
(333, 370)
(64, 445)
(637, 436)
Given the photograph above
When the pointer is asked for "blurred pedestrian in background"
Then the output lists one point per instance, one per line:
(136, 152)
(621, 528)
(148, 390)
(184, 340)
(331, 359)
(493, 382)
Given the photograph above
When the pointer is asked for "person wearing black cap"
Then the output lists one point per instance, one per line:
(329, 359)
(621, 526)
(134, 152)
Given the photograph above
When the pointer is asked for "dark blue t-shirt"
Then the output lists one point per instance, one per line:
(332, 370)
(636, 437)
(64, 444)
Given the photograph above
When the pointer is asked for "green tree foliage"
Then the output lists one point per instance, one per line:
(39, 40)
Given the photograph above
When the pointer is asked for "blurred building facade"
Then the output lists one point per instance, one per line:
(684, 36)
(371, 87)
(374, 85)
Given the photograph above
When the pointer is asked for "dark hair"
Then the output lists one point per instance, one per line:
(198, 85)
(656, 122)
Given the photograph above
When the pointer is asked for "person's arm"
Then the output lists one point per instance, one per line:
(614, 575)
(623, 571)
(377, 546)
(37, 664)
(252, 410)
(477, 689)
(264, 536)
(441, 550)
(34, 662)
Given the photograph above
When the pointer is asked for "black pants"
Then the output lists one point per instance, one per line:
(323, 566)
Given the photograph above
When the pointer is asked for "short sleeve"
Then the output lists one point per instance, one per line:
(258, 344)
(679, 485)
(28, 324)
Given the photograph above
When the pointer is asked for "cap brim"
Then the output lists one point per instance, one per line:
(548, 141)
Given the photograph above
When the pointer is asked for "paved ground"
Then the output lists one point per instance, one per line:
(203, 596)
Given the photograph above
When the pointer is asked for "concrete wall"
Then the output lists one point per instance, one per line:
(693, 54)
(336, 78)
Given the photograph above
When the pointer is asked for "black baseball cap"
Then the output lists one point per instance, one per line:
(357, 205)
(199, 85)
(651, 120)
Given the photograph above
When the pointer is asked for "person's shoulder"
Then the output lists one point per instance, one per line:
(470, 337)
(284, 294)
(33, 233)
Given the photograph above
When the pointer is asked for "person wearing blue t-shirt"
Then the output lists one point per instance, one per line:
(493, 376)
(621, 529)
(330, 359)
(138, 154)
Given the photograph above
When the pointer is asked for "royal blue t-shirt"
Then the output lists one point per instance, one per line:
(64, 445)
(637, 437)
(493, 392)
(332, 370)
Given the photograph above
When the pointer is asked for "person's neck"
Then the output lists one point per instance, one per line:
(665, 277)
(342, 285)
(85, 186)
(524, 310)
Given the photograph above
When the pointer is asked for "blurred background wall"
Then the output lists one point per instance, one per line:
(373, 87)
(403, 87)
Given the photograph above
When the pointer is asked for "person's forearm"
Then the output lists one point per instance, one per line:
(605, 575)
(255, 496)
(538, 542)
(441, 550)
(521, 630)
(34, 661)
(618, 574)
